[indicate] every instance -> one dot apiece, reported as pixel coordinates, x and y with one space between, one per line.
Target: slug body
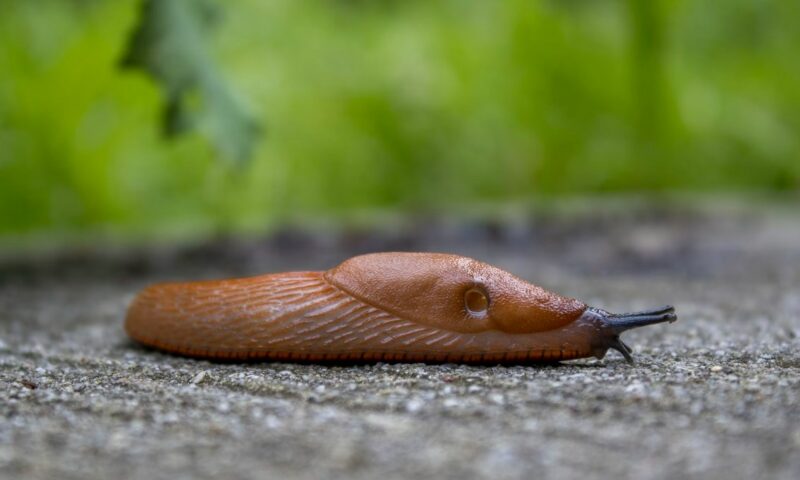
415 307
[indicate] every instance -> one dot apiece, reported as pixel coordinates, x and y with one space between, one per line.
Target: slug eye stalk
621 322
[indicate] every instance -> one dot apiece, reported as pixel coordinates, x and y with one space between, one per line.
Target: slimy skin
401 307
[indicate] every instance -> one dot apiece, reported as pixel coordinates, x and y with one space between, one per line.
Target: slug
398 307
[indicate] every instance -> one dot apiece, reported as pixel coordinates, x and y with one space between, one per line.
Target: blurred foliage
170 43
414 105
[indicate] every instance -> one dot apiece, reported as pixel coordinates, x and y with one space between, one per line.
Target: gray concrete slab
715 395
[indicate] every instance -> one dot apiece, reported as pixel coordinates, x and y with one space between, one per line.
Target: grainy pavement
714 395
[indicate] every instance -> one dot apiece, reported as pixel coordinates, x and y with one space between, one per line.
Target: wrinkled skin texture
377 307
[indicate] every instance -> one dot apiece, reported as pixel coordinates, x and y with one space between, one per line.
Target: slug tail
225 318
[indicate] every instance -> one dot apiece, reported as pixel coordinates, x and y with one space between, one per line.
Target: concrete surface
715 395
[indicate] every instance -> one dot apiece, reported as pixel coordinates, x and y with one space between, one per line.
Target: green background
412 106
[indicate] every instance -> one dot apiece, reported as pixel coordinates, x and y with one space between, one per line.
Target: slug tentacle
621 322
416 307
617 344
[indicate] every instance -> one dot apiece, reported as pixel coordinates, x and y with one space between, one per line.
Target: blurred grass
418 106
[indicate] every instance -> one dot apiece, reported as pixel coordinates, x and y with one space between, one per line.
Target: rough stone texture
715 395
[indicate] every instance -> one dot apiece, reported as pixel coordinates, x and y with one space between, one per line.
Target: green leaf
169 44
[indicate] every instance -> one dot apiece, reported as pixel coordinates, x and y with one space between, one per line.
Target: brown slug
409 307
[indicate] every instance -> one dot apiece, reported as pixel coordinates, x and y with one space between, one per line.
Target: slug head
453 293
